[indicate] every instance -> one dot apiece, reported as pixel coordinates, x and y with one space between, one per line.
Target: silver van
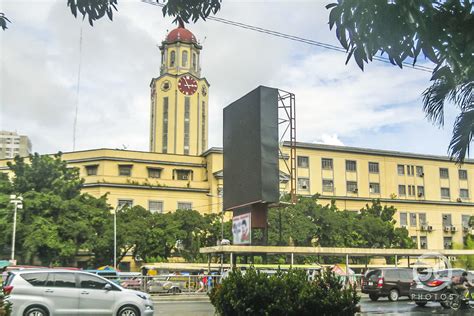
51 292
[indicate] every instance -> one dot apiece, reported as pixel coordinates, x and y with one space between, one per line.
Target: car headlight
142 296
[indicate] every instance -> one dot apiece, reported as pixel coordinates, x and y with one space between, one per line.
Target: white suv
51 292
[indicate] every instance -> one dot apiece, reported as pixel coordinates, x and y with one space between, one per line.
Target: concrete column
292 257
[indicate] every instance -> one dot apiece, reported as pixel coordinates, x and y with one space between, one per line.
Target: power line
297 38
78 83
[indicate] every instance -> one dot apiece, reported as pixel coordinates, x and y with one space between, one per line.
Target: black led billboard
251 149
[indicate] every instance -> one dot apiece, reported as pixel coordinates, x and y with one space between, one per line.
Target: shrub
5 306
285 293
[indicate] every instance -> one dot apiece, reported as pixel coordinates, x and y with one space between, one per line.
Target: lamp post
117 209
17 201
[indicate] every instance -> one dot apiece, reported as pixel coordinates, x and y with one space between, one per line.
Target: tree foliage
285 293
308 224
406 30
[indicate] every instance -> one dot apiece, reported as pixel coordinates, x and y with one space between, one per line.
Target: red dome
180 34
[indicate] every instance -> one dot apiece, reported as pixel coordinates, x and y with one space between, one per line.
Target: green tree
56 221
406 30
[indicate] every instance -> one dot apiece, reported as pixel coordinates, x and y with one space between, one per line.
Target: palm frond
462 135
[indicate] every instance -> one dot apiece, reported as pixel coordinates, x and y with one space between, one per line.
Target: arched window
194 61
185 58
172 58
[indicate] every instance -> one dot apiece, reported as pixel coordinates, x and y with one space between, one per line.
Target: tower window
125 170
185 58
194 61
91 170
186 125
165 125
172 58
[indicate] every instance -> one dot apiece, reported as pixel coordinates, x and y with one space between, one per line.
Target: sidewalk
180 297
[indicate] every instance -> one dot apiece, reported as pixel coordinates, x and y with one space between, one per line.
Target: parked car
131 280
435 286
110 275
64 292
167 284
387 282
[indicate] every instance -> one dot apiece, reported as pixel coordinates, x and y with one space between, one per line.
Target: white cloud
40 61
329 140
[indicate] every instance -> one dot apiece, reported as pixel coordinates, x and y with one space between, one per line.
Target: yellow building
432 194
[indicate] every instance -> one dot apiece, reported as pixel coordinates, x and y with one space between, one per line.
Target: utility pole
18 204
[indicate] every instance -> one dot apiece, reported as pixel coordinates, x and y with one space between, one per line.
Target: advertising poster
241 229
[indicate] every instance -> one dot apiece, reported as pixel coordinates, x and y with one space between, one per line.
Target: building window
443 173
445 193
326 163
411 190
154 172
402 190
373 167
220 191
303 184
125 170
155 206
462 174
124 203
465 221
203 127
423 242
184 58
182 174
303 162
351 165
421 191
186 124
422 218
165 125
415 240
401 170
92 170
374 188
194 61
419 171
172 58
403 219
464 193
410 170
448 242
351 187
328 185
413 219
185 206
447 222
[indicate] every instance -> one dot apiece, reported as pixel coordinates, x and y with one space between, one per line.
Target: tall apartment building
12 144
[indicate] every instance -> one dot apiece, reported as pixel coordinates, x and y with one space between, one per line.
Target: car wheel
36 311
373 297
393 295
420 303
128 311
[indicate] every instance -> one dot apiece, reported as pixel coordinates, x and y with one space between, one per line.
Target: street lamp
17 201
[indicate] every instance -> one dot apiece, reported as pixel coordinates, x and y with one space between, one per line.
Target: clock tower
179 97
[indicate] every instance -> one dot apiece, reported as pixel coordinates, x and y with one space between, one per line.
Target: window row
328 186
423 242
154 206
184 59
417 219
152 172
351 166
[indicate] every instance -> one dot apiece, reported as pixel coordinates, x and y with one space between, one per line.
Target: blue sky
336 103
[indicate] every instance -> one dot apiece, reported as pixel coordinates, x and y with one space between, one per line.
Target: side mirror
108 287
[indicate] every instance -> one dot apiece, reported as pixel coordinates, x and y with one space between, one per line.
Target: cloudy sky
336 103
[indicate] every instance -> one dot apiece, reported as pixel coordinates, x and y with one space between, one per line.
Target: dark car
435 286
387 282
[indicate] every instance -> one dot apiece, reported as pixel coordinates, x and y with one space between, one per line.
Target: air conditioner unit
424 227
447 245
404 226
465 229
447 228
184 177
423 244
430 228
459 200
420 195
355 191
452 258
304 187
453 228
445 216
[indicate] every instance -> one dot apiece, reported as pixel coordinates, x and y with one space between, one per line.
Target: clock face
187 85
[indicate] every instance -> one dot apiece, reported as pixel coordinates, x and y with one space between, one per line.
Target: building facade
12 144
432 195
